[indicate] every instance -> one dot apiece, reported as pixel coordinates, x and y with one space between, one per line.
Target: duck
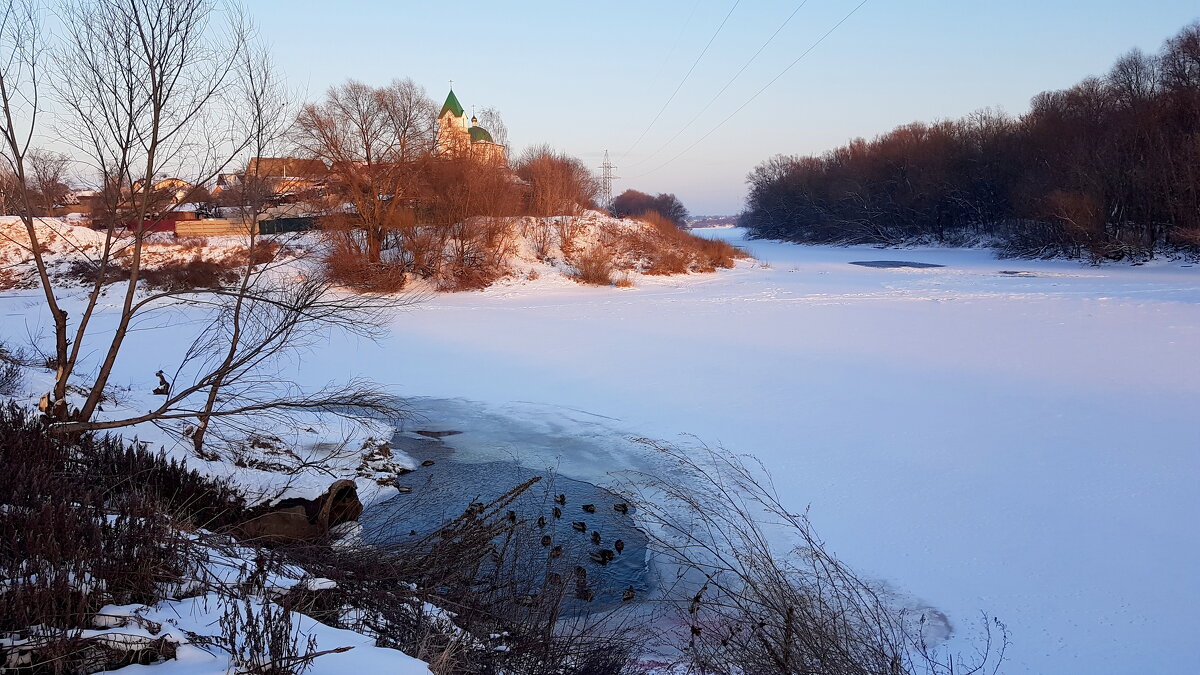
596 538
541 521
590 508
621 508
561 500
546 540
627 595
619 545
579 526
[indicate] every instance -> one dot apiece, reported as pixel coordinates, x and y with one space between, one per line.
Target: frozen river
1011 436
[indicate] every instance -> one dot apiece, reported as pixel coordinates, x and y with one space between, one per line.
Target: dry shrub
260 635
179 275
12 371
421 250
665 249
623 281
540 235
568 231
348 266
261 253
89 522
166 273
468 255
477 251
9 280
1187 239
467 277
594 266
751 607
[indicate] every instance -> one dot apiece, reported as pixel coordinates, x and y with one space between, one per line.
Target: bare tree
559 184
151 88
265 119
490 119
47 178
374 140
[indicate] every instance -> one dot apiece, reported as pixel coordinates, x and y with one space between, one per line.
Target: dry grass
594 266
352 270
89 522
9 279
665 249
178 275
657 248
263 252
168 274
475 253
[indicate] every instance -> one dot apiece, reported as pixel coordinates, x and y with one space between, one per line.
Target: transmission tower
606 179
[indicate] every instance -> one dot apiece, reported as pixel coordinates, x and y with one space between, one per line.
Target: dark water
442 491
894 264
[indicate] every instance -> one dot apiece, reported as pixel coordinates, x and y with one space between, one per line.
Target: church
456 139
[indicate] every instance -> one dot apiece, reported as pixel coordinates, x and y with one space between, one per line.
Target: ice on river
1011 436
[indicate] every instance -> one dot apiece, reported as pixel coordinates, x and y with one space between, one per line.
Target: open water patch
895 264
572 537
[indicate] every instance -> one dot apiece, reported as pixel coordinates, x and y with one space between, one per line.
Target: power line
727 85
685 77
759 92
675 45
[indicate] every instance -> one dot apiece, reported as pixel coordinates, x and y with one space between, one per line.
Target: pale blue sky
590 76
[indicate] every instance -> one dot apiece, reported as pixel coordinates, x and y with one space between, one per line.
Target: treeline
633 203
1107 169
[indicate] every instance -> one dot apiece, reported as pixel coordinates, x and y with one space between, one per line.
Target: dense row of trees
632 203
1107 169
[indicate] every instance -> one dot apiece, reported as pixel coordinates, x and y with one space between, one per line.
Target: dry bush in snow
593 266
747 606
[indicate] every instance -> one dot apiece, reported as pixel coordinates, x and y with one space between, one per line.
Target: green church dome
480 134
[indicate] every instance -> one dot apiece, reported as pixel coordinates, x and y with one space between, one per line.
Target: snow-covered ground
1023 444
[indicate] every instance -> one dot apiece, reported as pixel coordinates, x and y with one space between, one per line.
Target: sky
591 77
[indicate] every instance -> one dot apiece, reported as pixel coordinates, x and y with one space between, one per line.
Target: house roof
452 105
480 134
292 167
